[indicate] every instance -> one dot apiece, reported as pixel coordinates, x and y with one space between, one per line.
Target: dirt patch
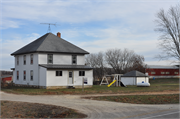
50 93
11 109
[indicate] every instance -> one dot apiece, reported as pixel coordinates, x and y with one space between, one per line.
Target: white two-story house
51 62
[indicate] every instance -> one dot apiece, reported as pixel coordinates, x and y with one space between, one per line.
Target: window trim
59 73
31 59
82 73
48 58
24 75
24 59
153 72
74 59
31 75
176 72
162 72
17 75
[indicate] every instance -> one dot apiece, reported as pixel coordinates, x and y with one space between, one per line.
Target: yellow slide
111 83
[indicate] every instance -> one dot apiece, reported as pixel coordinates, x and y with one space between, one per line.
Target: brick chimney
59 35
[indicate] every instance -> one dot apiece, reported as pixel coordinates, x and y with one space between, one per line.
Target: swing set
116 80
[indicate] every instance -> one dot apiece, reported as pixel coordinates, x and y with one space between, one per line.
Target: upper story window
31 75
24 58
24 75
17 75
81 73
58 73
50 59
31 58
74 59
17 60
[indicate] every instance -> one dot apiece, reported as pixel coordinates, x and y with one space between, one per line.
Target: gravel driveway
93 108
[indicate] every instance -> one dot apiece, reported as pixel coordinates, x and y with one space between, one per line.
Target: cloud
10 46
164 62
82 11
142 43
5 24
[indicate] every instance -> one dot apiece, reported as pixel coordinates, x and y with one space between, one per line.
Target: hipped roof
50 43
134 74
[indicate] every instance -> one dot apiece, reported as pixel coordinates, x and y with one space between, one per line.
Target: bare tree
97 62
137 64
123 61
168 23
113 58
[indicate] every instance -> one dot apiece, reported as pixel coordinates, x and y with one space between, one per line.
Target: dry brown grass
11 109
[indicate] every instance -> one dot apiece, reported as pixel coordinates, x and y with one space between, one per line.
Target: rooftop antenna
49 28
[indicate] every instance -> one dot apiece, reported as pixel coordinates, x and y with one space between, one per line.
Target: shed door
70 77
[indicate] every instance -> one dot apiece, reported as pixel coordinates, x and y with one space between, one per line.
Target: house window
175 72
17 60
24 75
50 58
31 59
17 75
58 73
31 73
81 73
74 59
153 72
162 72
24 59
167 72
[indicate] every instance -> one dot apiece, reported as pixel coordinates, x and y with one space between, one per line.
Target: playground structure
116 80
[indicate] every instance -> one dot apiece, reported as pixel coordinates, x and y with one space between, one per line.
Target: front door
70 77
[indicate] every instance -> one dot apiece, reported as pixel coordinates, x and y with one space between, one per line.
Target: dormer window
74 59
50 59
31 59
17 60
24 59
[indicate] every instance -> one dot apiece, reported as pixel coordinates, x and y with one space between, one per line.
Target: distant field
141 99
157 85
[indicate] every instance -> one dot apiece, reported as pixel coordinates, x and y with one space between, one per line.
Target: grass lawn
11 109
141 99
157 85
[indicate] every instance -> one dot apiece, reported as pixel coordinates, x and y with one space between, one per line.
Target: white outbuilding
134 77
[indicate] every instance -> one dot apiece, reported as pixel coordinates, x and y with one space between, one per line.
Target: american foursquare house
51 62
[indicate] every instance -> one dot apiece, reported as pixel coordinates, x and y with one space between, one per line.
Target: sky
93 25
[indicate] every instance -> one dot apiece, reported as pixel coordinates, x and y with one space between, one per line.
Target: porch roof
55 66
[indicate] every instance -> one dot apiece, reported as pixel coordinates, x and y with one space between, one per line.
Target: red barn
6 76
159 71
7 79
